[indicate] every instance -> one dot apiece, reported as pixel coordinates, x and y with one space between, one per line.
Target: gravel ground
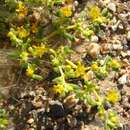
33 107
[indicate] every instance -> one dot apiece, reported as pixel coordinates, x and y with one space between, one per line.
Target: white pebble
112 7
128 36
30 121
117 47
123 79
94 38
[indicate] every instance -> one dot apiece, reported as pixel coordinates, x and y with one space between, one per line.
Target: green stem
57 32
97 96
62 75
71 64
71 27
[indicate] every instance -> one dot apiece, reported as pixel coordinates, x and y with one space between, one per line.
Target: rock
128 36
31 129
89 75
32 94
127 90
120 27
112 7
56 109
106 48
128 53
117 47
123 92
107 105
94 38
123 79
70 101
123 54
72 122
93 50
115 26
76 3
30 121
104 2
38 104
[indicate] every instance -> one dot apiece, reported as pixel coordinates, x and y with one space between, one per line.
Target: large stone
93 50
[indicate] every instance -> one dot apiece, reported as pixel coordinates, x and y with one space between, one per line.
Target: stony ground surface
33 108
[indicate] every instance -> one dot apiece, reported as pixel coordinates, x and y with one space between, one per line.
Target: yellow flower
66 11
80 70
38 51
24 56
94 67
30 70
113 96
10 34
58 88
22 32
94 12
115 64
21 10
100 19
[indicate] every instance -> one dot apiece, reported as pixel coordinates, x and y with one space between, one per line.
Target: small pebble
70 101
123 79
123 54
107 105
32 93
112 7
30 121
105 48
94 38
31 129
128 36
37 104
128 53
115 26
120 26
123 92
94 50
76 3
117 47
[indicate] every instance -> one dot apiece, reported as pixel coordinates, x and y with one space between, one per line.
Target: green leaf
69 36
37 77
70 87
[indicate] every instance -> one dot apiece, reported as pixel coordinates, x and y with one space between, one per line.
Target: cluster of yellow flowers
22 32
80 70
22 10
66 11
59 89
115 64
96 15
37 51
113 96
94 67
30 70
